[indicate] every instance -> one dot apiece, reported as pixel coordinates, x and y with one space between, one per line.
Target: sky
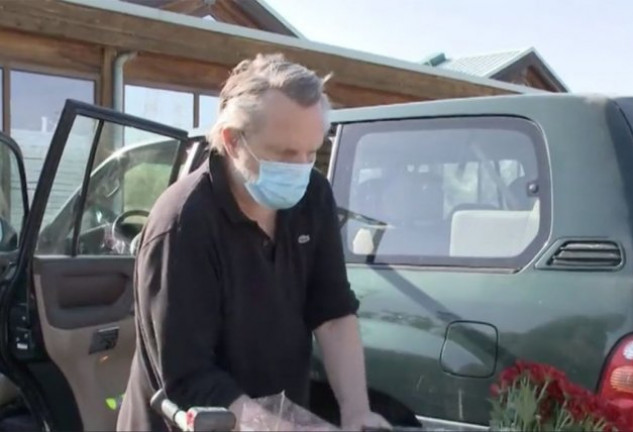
587 43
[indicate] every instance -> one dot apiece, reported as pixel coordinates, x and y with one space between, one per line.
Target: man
241 262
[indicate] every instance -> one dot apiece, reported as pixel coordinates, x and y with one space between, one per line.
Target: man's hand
344 362
364 421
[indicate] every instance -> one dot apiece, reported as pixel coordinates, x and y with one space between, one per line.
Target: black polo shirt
222 309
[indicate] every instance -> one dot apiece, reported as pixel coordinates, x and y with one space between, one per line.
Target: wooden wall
189 53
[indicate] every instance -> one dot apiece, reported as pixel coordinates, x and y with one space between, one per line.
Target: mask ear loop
250 151
248 147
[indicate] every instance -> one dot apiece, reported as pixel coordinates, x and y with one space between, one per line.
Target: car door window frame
72 109
14 147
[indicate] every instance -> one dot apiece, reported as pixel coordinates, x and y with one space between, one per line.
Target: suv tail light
616 383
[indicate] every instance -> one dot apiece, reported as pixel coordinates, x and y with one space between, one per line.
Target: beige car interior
475 233
80 301
493 233
85 305
411 206
83 302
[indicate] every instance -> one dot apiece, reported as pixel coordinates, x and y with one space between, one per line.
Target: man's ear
230 140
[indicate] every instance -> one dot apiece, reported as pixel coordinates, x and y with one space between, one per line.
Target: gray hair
241 97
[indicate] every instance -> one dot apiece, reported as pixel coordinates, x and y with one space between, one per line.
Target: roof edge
118 6
522 53
545 68
551 70
280 18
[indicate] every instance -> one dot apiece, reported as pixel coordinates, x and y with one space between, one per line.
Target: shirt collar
219 178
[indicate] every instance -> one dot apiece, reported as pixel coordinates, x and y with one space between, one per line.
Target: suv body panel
569 318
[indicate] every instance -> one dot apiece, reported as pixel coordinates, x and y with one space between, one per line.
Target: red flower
546 410
553 393
508 376
578 409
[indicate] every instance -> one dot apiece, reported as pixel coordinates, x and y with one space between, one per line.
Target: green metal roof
487 65
484 65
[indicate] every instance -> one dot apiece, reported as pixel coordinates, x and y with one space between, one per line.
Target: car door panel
91 338
71 300
85 291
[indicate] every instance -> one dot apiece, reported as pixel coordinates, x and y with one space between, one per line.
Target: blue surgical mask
279 185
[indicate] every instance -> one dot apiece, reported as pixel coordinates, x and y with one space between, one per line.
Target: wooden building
167 59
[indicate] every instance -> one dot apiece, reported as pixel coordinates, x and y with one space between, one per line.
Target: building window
208 112
37 101
173 108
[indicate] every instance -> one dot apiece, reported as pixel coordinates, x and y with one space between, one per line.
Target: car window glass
121 190
450 188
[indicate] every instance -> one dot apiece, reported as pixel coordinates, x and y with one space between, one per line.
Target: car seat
413 204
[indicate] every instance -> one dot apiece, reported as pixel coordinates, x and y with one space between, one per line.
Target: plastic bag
278 413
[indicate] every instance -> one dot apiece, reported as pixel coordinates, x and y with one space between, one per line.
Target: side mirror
13 194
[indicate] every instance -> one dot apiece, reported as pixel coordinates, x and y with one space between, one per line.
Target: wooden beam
148 69
127 32
346 96
534 79
72 56
152 70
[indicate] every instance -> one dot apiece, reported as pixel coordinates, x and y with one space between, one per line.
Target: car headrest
412 197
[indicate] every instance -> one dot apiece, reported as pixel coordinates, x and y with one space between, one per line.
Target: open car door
67 332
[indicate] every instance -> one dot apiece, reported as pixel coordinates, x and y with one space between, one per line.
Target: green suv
476 231
481 231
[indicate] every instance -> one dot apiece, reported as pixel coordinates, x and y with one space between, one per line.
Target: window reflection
173 108
208 111
37 101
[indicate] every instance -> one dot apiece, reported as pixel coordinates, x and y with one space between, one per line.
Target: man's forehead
287 123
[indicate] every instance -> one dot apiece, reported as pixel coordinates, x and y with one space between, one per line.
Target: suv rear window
469 191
